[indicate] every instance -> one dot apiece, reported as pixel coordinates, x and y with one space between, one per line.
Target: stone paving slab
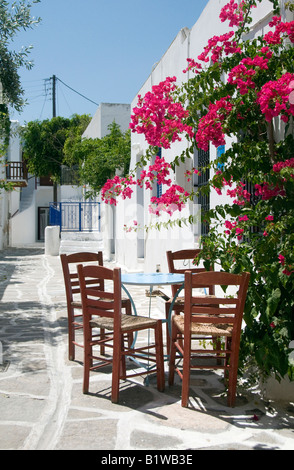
42 406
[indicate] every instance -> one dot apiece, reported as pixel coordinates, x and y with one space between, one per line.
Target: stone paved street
42 406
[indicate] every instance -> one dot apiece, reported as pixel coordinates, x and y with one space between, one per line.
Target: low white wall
272 389
70 193
52 240
22 227
4 224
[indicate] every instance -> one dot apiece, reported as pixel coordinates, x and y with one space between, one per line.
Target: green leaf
273 302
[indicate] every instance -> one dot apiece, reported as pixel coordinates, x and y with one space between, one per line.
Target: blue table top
152 279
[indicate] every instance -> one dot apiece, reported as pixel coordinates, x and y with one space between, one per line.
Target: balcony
17 174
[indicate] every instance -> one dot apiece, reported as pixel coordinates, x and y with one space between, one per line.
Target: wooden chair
179 262
102 309
72 290
217 317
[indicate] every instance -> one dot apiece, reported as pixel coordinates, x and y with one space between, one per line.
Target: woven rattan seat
124 302
127 322
204 329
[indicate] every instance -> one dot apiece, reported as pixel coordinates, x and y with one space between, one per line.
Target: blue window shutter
220 151
159 186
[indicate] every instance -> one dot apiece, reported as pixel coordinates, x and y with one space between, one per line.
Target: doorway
43 222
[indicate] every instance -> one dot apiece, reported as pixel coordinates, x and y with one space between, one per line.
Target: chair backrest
70 274
185 258
101 302
224 309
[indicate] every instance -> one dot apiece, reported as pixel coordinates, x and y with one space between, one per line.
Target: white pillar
52 241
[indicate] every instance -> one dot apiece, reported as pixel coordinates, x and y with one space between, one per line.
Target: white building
28 206
104 116
138 250
14 171
24 212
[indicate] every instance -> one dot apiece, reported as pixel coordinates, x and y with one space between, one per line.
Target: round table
151 280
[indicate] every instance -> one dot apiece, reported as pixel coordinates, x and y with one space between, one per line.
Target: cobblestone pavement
42 406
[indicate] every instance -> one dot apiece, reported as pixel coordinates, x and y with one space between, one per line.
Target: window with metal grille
202 161
253 201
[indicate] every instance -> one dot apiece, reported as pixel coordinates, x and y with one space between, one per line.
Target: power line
83 96
65 99
34 92
46 95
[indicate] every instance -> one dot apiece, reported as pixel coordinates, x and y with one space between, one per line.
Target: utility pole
54 115
54 95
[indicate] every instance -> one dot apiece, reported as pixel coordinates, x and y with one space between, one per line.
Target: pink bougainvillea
291 96
233 229
210 127
158 117
189 173
117 187
173 199
286 164
241 194
242 75
273 98
282 261
233 13
281 28
217 45
162 120
267 191
192 65
158 172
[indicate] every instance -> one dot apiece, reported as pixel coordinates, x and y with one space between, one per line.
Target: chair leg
71 335
186 372
123 370
172 355
159 357
231 399
228 346
116 368
130 335
167 307
168 333
233 375
102 336
87 358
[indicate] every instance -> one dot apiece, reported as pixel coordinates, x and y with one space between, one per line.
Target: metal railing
16 172
76 216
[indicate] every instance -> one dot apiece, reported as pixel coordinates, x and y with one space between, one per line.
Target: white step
81 236
74 246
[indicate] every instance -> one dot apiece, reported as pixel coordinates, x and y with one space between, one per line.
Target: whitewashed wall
3 213
10 201
129 250
107 113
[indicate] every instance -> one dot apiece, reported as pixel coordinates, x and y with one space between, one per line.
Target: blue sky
102 49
